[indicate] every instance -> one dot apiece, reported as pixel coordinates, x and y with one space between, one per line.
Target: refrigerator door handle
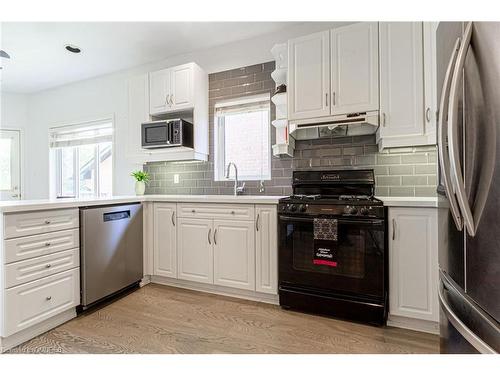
444 159
456 174
470 336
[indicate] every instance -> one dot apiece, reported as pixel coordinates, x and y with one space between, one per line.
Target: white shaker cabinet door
234 254
159 91
413 263
182 87
165 240
195 250
401 79
309 76
266 249
354 77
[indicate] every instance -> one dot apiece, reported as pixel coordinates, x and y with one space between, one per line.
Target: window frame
56 161
219 137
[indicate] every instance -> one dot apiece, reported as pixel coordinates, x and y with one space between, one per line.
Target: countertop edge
42 204
431 202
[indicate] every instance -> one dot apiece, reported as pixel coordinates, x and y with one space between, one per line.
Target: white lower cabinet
34 302
228 245
234 254
413 263
164 240
266 249
195 250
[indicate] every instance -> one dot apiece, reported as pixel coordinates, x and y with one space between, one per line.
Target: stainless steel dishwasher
110 250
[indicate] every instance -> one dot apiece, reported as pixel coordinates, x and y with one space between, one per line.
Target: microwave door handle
454 148
169 132
444 159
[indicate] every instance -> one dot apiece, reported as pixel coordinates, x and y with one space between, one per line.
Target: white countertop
409 201
47 204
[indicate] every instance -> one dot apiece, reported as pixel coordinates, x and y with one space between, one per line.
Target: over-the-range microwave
167 133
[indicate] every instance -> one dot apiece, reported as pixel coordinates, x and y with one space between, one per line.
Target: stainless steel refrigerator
468 78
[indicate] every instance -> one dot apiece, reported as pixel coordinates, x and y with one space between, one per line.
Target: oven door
359 250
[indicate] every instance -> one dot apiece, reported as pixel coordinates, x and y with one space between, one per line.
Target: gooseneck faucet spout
237 189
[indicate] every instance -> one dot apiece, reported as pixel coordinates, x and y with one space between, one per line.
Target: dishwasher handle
117 215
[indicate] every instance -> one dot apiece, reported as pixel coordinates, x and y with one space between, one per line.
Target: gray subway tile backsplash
408 171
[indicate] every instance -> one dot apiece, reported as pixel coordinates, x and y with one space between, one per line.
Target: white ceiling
39 60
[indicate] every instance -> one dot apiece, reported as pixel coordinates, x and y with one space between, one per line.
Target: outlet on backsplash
176 178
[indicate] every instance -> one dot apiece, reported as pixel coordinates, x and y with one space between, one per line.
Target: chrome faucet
237 189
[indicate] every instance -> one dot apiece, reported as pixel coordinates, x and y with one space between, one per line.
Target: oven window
156 134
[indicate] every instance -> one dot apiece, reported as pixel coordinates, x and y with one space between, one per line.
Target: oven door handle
340 221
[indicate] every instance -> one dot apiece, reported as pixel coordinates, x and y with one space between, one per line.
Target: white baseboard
216 289
145 281
7 343
420 325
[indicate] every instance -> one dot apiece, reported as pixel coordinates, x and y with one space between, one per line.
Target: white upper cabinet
309 76
181 87
401 79
172 89
430 80
354 68
408 102
160 91
165 240
234 254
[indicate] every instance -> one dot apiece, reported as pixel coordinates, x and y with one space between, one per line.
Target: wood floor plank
161 319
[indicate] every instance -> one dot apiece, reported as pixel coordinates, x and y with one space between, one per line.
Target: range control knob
293 208
364 211
302 208
353 211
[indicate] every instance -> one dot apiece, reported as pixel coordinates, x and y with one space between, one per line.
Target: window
83 159
242 136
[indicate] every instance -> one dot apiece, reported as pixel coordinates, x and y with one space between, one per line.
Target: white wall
107 95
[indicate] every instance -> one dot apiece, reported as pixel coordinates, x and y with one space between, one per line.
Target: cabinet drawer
36 268
43 244
216 211
37 222
34 302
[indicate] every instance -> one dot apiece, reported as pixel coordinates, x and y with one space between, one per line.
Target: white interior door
10 166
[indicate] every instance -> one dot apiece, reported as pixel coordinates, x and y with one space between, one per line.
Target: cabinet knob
193 211
48 298
47 243
48 265
47 221
232 212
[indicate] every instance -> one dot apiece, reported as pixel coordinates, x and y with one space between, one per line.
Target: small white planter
140 187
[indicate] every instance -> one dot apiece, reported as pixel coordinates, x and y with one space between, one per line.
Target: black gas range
332 246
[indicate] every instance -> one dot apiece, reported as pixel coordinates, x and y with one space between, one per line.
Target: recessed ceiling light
72 48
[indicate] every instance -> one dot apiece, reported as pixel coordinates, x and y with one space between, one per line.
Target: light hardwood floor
160 319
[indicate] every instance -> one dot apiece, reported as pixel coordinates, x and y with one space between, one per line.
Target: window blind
249 104
81 134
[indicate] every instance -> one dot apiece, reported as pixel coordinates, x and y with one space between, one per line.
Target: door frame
21 158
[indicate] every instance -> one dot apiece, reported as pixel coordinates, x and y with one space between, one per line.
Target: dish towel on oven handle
325 242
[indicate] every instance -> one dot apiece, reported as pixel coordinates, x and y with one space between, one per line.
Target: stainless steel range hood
352 124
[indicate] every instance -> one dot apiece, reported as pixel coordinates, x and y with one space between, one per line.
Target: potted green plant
141 179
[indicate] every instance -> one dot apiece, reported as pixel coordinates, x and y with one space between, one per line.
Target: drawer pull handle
48 298
47 222
48 265
47 243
